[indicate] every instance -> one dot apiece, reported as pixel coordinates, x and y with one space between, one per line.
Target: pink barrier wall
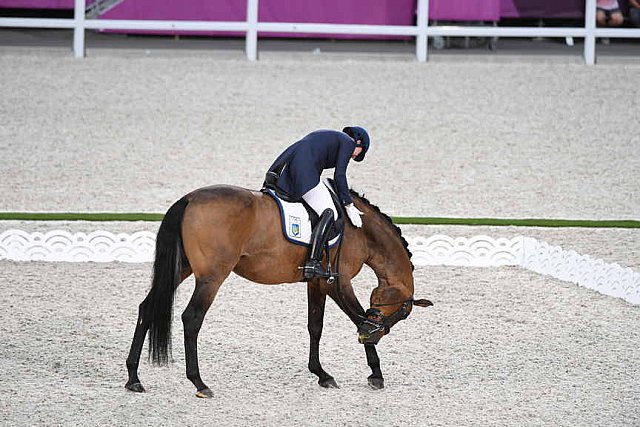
380 12
464 10
542 8
188 10
37 4
366 12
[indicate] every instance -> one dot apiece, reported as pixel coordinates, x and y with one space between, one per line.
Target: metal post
252 31
422 42
78 28
590 27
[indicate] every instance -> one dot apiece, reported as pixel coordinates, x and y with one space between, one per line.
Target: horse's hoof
376 383
328 383
205 393
136 387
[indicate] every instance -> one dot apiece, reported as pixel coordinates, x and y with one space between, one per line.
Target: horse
215 230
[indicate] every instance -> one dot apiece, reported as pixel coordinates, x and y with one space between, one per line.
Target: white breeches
320 199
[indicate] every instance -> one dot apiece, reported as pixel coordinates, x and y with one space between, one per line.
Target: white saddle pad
296 225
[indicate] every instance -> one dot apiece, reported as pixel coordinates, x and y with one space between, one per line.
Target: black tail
167 268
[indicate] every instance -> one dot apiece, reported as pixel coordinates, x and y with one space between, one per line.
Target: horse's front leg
375 379
349 303
316 301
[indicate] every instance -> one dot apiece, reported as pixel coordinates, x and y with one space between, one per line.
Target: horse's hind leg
142 326
316 302
205 292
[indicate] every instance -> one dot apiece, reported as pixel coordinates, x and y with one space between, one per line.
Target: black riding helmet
358 133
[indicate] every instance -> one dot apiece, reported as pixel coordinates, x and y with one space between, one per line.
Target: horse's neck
387 255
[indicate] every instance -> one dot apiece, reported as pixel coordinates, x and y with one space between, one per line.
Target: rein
384 322
358 316
394 303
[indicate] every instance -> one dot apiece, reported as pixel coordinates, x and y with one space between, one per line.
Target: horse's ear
422 302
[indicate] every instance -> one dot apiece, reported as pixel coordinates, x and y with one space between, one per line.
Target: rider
297 173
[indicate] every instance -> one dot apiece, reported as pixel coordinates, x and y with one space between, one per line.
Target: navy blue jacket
307 158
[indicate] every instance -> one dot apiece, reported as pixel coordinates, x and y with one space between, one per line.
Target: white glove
354 215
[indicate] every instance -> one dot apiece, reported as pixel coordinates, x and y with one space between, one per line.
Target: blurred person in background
608 13
634 12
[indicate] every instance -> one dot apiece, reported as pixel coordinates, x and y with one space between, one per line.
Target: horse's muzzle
370 339
370 332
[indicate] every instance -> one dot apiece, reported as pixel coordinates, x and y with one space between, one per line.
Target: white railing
252 27
477 251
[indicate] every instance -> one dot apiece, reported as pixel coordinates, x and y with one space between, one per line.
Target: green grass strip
500 222
529 222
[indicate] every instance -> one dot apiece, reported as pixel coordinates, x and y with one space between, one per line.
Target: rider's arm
340 175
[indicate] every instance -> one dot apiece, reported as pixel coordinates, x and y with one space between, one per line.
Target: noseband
377 321
381 322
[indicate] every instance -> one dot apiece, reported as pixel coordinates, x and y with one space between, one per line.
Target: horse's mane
388 218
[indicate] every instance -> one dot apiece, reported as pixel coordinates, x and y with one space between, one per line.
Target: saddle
297 217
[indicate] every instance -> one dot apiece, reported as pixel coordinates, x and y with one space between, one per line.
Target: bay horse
215 230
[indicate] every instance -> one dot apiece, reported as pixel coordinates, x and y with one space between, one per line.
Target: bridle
385 322
373 320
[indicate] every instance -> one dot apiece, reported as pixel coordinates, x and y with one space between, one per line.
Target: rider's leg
320 200
313 265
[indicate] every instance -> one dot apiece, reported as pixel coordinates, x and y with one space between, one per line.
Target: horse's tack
298 218
385 322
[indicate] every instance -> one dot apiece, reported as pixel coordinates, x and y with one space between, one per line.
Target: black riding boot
313 266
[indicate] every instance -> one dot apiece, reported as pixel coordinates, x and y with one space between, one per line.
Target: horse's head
389 256
391 306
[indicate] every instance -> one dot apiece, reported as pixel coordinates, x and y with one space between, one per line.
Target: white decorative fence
58 245
583 270
251 27
478 251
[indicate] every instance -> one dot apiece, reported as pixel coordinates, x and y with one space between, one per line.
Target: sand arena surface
128 132
122 133
500 347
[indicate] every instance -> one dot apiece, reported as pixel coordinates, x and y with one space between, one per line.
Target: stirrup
313 268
